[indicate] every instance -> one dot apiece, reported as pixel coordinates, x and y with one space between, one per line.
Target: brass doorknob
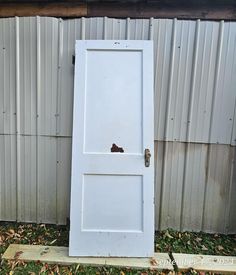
147 156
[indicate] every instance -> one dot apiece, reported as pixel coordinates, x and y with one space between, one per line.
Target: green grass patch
165 241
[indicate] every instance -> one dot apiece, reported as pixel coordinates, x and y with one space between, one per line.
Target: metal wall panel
232 195
194 68
27 34
194 63
194 184
63 179
195 112
216 210
71 30
48 45
225 83
8 187
198 83
27 179
195 187
7 76
233 137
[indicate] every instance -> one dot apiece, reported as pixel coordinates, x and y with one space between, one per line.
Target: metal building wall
195 118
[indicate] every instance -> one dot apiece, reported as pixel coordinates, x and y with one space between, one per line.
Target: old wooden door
112 197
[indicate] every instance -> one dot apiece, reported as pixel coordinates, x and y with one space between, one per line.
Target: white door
112 192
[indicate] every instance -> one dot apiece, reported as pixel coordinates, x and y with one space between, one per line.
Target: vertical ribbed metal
195 117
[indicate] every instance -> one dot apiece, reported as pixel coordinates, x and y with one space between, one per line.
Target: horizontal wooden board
59 255
160 261
147 10
122 9
43 9
219 264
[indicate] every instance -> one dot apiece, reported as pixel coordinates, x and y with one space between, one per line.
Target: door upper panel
113 96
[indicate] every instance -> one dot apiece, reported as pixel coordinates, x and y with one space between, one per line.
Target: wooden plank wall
73 8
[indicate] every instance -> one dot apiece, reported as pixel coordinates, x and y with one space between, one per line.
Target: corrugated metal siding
195 68
192 68
195 187
8 177
7 77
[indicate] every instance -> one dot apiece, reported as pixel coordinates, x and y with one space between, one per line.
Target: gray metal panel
88 28
47 180
44 184
195 187
28 75
162 32
53 179
27 180
191 59
194 68
92 28
224 101
71 30
172 184
8 177
233 137
232 195
195 96
202 81
158 159
116 29
48 46
63 178
7 76
217 192
195 65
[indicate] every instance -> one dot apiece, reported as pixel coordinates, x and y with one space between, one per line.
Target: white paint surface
112 207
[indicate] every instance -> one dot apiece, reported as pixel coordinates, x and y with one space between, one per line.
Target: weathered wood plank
59 9
221 264
147 10
59 255
160 261
74 8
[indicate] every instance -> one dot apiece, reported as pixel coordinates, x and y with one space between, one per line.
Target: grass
196 243
165 241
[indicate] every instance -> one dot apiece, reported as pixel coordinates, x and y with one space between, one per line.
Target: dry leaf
11 231
43 269
53 241
2 239
56 269
220 247
122 273
153 261
167 234
17 254
198 239
204 248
